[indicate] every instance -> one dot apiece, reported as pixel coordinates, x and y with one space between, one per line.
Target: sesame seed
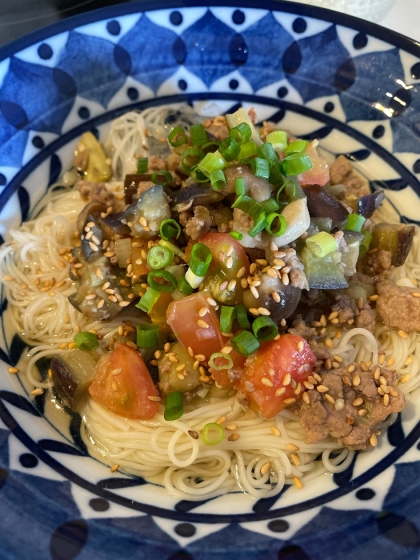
300 345
234 437
351 368
289 401
202 370
229 262
356 380
357 402
180 376
393 392
202 324
115 468
329 343
203 311
338 359
253 311
211 302
221 420
14 370
382 380
308 385
143 221
362 412
37 392
280 391
374 297
193 434
93 246
402 334
62 346
373 440
264 311
283 322
241 272
275 431
386 400
113 299
329 398
252 268
153 398
273 247
409 361
318 377
180 367
223 285
231 427
390 362
221 256
339 404
297 482
231 285
124 303
265 468
363 366
267 382
416 294
254 292
116 371
405 378
322 388
200 357
173 359
272 273
196 365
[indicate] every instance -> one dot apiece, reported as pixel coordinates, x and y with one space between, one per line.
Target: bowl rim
139 6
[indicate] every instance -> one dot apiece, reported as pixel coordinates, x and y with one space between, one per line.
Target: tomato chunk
227 268
265 375
201 332
127 392
229 377
320 173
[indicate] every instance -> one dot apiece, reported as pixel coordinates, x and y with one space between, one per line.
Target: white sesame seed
229 262
267 382
254 292
287 379
202 324
264 311
231 285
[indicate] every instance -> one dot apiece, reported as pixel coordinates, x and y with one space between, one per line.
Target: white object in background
373 10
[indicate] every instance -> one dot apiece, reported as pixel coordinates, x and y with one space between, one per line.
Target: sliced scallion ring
198 134
142 165
241 133
190 158
242 317
217 179
168 229
227 316
276 224
322 244
159 257
245 343
213 433
165 275
355 222
264 329
149 299
278 139
147 335
174 406
86 341
227 362
236 235
229 149
177 137
200 259
183 286
161 178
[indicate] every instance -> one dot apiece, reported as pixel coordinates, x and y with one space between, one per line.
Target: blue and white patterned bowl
354 86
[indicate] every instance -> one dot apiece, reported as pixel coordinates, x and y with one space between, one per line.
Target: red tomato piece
226 268
229 377
200 332
320 173
289 354
127 393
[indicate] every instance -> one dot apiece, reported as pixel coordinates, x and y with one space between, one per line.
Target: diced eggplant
257 188
289 298
322 224
153 206
366 205
323 205
131 183
200 194
323 273
112 225
337 191
90 308
91 253
396 238
169 378
72 373
96 165
349 259
92 208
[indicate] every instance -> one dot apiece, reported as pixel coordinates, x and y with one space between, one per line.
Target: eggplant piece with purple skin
72 374
131 183
366 205
112 225
396 238
93 209
289 298
323 205
201 195
91 251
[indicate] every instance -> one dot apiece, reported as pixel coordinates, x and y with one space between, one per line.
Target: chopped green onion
210 147
193 280
149 299
281 224
270 205
355 222
248 150
174 406
282 188
175 250
266 151
365 244
227 316
217 179
229 149
278 139
198 134
198 176
264 329
258 226
322 244
298 146
245 343
168 229
260 168
177 137
147 335
183 286
249 206
200 259
213 433
161 177
211 162
220 356
190 158
242 316
241 133
275 176
236 235
142 164
86 341
239 186
295 164
290 189
159 257
168 276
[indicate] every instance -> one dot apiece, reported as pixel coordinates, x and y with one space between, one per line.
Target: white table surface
404 17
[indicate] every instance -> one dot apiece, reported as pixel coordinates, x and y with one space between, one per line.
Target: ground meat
199 224
349 312
342 173
172 161
378 262
156 163
95 192
252 115
341 420
398 307
217 128
300 328
341 242
320 350
144 186
364 278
